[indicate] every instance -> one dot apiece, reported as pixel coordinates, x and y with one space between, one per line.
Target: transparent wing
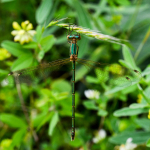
34 74
113 74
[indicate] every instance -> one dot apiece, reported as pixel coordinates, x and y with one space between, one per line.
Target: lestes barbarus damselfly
122 76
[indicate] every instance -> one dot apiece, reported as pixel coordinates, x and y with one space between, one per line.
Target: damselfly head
72 37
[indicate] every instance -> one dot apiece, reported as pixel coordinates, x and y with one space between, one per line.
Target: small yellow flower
117 19
116 68
149 114
23 33
139 98
4 54
5 144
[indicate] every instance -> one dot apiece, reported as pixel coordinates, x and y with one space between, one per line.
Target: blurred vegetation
46 121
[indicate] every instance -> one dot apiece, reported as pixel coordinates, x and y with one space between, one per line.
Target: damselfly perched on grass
121 76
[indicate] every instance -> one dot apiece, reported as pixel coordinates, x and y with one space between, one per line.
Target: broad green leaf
143 123
136 105
38 34
12 120
31 45
82 13
91 79
14 48
118 88
41 54
124 2
22 62
18 136
90 105
4 1
44 120
61 86
61 96
148 143
146 71
47 42
130 111
102 112
43 11
138 137
39 119
53 123
128 57
53 12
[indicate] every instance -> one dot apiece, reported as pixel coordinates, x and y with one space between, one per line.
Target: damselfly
122 76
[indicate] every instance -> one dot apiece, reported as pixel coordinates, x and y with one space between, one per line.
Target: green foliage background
46 122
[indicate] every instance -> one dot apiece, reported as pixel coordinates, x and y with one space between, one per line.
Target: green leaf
118 88
38 34
82 13
148 143
22 62
91 79
43 11
41 54
4 1
143 123
136 105
130 111
12 120
138 137
53 123
47 42
128 57
102 113
14 48
39 119
59 85
124 2
31 45
146 71
18 136
43 120
90 105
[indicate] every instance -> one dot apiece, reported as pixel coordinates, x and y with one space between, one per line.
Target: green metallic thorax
73 47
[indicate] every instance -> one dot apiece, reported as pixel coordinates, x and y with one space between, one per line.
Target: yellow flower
23 33
149 114
116 68
5 144
117 19
139 98
4 54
